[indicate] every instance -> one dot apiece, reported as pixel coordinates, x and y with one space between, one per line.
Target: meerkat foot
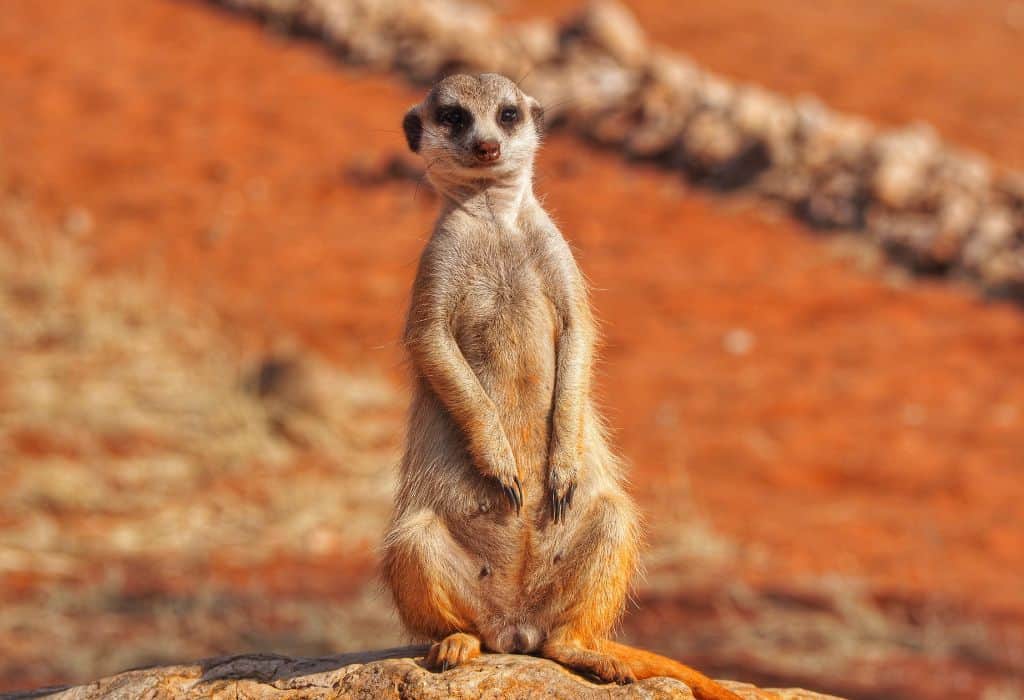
452 651
611 670
604 666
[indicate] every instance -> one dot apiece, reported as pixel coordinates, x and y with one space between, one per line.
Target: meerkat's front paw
561 488
514 493
513 489
499 462
508 478
453 650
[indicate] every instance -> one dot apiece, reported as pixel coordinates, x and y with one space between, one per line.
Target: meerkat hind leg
431 578
593 580
452 651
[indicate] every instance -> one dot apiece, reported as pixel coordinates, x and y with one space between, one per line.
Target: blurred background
813 358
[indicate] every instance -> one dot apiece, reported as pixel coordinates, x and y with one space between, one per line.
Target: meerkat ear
537 112
412 125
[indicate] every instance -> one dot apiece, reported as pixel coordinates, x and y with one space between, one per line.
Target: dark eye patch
455 118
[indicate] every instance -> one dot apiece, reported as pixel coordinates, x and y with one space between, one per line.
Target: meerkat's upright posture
511 528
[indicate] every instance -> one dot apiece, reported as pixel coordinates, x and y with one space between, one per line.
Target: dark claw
510 494
560 505
514 494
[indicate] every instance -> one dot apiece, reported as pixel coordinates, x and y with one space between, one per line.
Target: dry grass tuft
159 485
114 401
835 624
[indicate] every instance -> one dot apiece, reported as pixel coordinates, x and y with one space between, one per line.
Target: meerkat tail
646 664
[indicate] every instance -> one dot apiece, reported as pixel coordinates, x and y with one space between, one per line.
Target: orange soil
871 431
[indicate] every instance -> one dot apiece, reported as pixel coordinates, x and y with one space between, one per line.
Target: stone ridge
389 674
931 207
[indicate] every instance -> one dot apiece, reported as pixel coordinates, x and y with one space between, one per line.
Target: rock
612 28
769 119
833 200
904 161
993 255
537 40
714 150
670 93
390 674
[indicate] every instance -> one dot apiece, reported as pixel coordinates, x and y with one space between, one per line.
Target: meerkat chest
503 285
506 315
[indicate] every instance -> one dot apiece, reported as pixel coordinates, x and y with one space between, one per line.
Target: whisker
420 180
561 103
525 76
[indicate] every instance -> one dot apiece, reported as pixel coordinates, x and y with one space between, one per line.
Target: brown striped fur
501 337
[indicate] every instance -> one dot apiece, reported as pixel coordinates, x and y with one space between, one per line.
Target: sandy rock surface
383 675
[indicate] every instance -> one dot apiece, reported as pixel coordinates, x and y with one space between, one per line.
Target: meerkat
512 531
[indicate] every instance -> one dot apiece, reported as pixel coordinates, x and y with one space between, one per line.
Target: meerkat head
475 128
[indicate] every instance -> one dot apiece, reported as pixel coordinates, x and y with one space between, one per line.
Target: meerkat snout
474 128
487 151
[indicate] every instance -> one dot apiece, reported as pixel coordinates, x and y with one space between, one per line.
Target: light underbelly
509 339
513 356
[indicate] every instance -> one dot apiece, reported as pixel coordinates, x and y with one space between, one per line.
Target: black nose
487 151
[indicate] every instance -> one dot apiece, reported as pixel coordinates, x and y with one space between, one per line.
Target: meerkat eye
509 115
455 117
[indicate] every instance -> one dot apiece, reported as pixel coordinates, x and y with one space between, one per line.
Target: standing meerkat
511 531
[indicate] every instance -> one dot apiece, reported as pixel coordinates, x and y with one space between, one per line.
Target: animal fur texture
512 531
